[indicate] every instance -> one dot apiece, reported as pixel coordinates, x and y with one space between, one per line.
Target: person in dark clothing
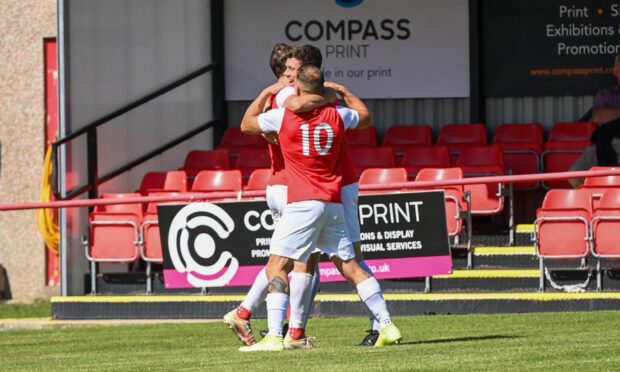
605 148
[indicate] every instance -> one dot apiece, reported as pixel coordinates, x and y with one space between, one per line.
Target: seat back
366 137
566 143
563 224
259 179
234 141
197 160
606 224
602 181
483 161
459 136
172 181
572 131
415 159
233 138
599 185
383 176
519 133
473 134
151 239
483 157
453 195
371 157
403 137
252 158
135 208
522 146
218 181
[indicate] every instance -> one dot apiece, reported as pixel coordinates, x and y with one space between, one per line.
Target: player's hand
330 94
271 137
337 87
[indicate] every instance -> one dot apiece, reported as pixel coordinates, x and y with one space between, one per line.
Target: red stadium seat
382 176
371 157
114 235
222 180
459 136
259 179
522 147
566 143
366 137
562 227
157 182
415 159
251 159
456 203
198 160
486 199
403 137
218 181
234 141
598 185
151 251
605 227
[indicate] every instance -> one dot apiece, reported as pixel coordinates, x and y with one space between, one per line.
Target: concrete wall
23 26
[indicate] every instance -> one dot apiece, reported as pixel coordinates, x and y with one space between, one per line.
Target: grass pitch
547 341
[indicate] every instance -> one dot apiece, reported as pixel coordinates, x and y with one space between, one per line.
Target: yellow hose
46 218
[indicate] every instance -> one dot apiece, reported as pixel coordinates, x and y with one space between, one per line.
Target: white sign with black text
377 48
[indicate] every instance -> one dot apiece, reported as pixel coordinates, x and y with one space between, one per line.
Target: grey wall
118 51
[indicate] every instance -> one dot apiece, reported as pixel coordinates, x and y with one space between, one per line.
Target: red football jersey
311 147
278 176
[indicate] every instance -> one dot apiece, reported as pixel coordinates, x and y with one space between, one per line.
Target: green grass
38 309
543 341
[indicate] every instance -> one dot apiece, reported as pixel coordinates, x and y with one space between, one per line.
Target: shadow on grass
459 339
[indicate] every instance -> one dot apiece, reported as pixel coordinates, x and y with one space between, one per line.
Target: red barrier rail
259 193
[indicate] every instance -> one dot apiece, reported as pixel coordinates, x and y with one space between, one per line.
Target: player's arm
353 103
309 102
605 114
249 123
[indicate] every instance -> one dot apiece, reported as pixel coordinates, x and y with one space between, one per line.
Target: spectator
605 147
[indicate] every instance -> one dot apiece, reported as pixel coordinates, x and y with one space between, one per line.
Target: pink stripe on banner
395 268
245 276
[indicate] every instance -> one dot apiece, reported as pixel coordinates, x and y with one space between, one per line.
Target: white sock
370 292
374 324
316 285
257 293
276 312
300 299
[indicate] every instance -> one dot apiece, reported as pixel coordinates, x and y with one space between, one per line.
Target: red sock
243 313
297 333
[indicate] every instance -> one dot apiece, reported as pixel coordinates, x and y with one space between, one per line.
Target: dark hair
308 55
279 55
310 79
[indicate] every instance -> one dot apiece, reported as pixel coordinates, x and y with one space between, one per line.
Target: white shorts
348 194
351 212
276 196
308 224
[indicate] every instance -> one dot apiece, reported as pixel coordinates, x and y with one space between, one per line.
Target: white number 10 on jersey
316 138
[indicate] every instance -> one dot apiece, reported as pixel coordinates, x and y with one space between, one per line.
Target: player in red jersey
238 319
314 216
305 274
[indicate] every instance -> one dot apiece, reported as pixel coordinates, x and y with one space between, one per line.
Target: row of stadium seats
411 146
